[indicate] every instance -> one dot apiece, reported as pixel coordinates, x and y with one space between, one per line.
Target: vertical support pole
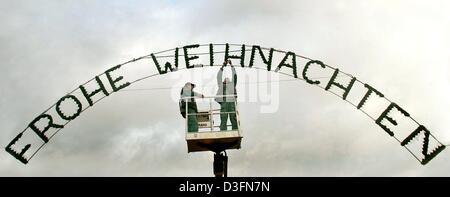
225 165
187 116
237 115
220 165
211 114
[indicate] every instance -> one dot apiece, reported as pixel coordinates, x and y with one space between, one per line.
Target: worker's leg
192 121
232 108
223 116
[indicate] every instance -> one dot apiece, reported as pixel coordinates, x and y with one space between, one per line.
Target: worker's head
189 85
226 62
227 80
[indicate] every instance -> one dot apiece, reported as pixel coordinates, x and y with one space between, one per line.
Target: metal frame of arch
388 115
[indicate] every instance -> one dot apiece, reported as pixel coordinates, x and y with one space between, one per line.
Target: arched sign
392 118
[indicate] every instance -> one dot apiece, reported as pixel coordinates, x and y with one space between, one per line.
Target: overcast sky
401 47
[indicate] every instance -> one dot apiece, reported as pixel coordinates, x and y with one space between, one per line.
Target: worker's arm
198 95
233 70
219 76
185 93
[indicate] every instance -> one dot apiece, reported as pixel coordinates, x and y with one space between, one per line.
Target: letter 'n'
426 156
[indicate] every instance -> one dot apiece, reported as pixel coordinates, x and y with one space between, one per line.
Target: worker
227 97
188 95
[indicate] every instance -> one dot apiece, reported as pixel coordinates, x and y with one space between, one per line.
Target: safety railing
208 117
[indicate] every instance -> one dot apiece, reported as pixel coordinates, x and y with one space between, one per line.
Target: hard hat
189 83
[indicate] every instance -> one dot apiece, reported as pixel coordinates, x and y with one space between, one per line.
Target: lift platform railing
206 117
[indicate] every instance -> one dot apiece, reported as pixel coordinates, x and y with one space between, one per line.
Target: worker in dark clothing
227 99
188 94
